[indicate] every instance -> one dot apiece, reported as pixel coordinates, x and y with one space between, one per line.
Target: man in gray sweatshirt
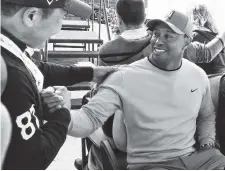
169 114
134 44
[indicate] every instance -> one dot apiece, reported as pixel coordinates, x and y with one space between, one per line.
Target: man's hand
62 91
100 73
56 97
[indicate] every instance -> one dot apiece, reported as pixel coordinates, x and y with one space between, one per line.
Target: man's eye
156 34
167 36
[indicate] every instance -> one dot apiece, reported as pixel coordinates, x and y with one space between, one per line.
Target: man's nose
159 41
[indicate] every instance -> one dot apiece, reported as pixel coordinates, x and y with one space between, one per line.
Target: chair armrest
98 136
109 160
112 157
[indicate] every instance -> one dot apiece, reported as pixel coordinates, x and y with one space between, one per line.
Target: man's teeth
160 50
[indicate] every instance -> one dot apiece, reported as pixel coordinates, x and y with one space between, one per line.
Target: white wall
159 8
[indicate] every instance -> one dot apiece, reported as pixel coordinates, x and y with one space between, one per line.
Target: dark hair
132 12
9 9
47 12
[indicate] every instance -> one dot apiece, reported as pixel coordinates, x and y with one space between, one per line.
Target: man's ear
121 24
187 41
31 15
120 21
145 17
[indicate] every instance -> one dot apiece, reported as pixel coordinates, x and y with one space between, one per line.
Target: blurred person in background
133 36
204 31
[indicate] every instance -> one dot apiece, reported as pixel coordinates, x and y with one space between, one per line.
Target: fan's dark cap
75 7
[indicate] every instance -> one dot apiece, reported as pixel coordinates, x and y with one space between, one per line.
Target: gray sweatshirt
161 110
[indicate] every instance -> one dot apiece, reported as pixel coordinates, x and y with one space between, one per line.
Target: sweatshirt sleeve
104 104
33 145
61 75
206 117
203 53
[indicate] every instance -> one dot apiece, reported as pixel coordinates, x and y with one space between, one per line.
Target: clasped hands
56 97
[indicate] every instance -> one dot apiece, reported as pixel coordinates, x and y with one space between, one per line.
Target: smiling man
169 43
166 103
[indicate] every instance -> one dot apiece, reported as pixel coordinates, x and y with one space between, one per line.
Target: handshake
56 97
